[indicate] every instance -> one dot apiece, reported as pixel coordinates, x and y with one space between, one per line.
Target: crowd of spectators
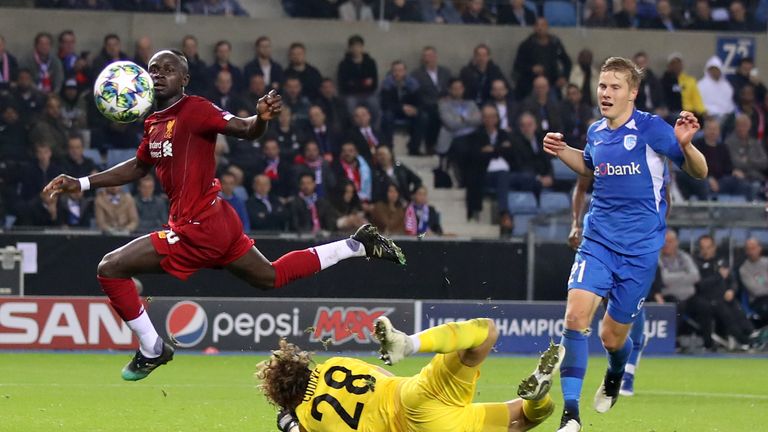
195 7
696 15
483 122
721 302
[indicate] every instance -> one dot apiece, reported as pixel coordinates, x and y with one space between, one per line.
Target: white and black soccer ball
124 92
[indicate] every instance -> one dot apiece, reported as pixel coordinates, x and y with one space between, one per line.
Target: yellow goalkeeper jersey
346 394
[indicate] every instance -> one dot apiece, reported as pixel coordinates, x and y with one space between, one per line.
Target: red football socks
123 296
295 265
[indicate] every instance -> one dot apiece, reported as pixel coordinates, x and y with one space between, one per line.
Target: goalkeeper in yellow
346 394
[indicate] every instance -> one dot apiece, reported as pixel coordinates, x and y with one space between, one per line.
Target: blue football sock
637 334
573 368
617 360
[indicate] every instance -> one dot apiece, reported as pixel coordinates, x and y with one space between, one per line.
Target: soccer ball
124 92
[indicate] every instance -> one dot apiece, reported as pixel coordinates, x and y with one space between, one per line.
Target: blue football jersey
628 208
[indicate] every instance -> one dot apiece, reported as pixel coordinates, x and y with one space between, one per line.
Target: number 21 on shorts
578 267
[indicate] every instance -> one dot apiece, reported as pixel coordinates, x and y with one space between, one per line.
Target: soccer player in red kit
204 230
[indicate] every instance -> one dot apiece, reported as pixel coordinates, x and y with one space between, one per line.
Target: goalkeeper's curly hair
284 377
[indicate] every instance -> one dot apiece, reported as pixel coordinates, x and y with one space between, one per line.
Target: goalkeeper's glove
286 421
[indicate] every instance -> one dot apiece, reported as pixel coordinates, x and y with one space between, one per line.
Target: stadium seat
93 154
522 203
521 224
532 6
560 13
557 232
115 156
562 172
761 235
739 235
731 198
554 202
687 235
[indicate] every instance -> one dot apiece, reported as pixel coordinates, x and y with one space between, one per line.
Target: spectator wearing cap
73 108
45 66
716 91
681 90
358 77
9 67
263 64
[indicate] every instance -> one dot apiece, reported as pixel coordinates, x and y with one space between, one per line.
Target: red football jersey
179 141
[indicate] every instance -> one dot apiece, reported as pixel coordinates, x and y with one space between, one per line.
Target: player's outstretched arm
251 128
578 207
554 145
120 174
695 163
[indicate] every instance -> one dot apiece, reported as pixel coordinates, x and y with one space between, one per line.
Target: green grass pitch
83 393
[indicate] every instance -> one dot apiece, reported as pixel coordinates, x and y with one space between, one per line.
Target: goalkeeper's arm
286 422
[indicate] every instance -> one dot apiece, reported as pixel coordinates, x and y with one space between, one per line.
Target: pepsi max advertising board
258 324
528 327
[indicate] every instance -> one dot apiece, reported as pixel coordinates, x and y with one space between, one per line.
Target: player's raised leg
579 312
472 340
255 269
637 334
115 272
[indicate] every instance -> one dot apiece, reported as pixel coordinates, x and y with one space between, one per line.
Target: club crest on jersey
630 141
161 149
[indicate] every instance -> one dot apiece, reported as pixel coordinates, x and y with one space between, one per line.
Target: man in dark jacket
335 109
388 171
264 210
264 65
308 75
111 51
75 163
222 52
198 70
400 106
358 77
478 75
542 105
327 139
541 53
650 97
433 84
279 171
515 12
311 161
366 139
717 286
308 212
534 168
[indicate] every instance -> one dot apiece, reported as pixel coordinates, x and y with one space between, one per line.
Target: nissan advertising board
528 327
258 324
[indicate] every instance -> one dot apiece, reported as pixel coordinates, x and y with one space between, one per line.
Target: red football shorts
214 241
